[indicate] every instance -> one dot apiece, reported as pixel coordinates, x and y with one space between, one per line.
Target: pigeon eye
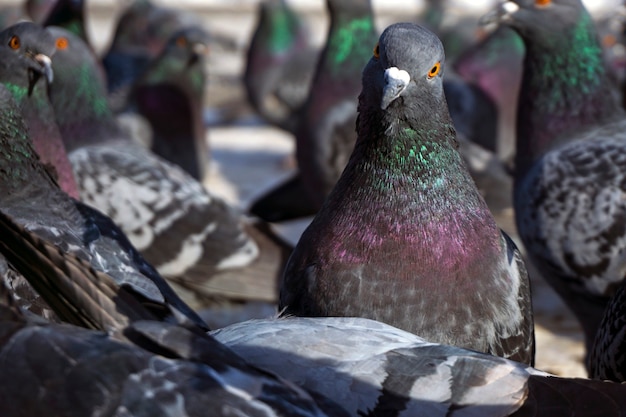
62 43
542 2
181 41
376 52
14 42
434 70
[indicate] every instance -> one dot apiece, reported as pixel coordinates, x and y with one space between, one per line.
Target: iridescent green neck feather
284 27
565 89
406 189
19 164
44 133
351 40
80 105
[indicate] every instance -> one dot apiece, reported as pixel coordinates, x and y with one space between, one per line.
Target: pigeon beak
396 81
46 65
200 49
501 13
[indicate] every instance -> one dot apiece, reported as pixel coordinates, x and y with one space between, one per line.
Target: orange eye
62 43
542 3
181 41
376 52
434 70
14 42
609 40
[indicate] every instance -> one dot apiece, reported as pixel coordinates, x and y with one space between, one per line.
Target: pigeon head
404 77
536 19
33 42
187 48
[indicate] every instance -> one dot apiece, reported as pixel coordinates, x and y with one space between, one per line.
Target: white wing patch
142 194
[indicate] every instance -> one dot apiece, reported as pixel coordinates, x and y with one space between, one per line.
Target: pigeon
141 33
129 363
280 63
170 96
374 369
325 135
33 198
194 239
406 205
33 102
569 193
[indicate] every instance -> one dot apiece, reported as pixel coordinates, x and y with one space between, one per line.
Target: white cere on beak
46 63
509 7
396 81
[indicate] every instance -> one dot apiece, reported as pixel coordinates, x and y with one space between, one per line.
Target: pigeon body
374 369
569 167
190 236
170 96
138 367
280 63
405 237
325 135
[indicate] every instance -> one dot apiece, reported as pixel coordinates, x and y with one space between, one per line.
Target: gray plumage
373 369
405 237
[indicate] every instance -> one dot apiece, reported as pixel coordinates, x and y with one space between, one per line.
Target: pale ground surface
249 158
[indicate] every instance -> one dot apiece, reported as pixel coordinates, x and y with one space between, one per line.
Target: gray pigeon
405 237
570 162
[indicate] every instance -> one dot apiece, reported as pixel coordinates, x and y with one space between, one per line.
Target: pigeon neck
351 39
177 125
349 46
20 170
407 191
283 29
565 89
44 134
82 113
